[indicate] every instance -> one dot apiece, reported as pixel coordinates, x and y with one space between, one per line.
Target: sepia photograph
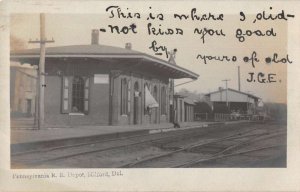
80 101
149 95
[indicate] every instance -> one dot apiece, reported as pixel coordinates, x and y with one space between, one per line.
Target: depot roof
102 51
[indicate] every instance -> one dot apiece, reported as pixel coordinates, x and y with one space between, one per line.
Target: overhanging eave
178 72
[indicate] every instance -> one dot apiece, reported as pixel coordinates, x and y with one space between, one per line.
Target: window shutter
65 95
122 97
86 95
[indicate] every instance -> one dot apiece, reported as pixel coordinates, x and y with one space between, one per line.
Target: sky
72 29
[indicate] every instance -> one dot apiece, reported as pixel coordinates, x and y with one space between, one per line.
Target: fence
201 116
235 117
222 117
226 117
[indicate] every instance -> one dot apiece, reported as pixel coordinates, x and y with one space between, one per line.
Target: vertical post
171 97
142 100
110 113
226 95
172 55
42 71
37 100
226 80
239 78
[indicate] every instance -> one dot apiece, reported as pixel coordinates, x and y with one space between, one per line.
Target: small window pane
66 82
86 93
87 83
66 104
86 105
66 94
77 94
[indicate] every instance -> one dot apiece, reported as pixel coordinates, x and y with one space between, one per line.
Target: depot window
75 94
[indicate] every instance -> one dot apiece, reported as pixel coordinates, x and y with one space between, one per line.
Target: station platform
23 139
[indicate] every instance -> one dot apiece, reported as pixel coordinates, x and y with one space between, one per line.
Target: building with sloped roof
103 85
183 109
22 91
231 100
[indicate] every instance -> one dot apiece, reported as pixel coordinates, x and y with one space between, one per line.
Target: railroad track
219 154
69 151
176 133
231 150
193 163
48 156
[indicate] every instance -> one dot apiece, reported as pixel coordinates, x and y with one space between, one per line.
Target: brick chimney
95 37
128 46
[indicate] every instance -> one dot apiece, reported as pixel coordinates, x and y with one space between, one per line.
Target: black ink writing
243 16
253 58
260 77
211 32
116 11
152 16
223 58
156 25
194 17
279 16
240 34
159 49
123 30
275 59
152 30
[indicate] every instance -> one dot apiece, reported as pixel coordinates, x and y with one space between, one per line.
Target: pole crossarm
41 41
226 80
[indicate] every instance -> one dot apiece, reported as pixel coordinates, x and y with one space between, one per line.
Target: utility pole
172 55
239 78
41 71
226 80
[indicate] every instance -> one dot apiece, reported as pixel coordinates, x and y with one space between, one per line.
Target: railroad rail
194 138
201 144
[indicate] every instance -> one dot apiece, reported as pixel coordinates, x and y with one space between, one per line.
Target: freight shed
230 100
104 85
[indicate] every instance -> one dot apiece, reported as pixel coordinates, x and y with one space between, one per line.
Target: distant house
238 101
103 85
22 91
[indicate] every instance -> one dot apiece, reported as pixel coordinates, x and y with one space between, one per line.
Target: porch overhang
136 60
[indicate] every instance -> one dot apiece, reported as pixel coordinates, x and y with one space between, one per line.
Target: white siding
232 97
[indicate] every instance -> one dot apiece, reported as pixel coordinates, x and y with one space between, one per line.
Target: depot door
28 109
155 109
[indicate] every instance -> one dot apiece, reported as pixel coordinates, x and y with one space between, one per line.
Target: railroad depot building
238 101
104 85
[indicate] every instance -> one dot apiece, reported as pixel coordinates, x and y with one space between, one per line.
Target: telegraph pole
239 78
226 80
41 71
172 55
